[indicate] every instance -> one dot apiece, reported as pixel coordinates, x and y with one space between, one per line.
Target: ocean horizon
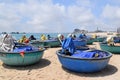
36 35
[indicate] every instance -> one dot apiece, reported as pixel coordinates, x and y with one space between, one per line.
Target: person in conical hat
69 35
110 40
24 39
94 36
43 37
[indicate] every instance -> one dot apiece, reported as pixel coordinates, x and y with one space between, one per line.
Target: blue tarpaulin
78 43
116 39
24 48
89 54
68 45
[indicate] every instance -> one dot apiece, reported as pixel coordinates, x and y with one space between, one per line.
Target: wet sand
49 68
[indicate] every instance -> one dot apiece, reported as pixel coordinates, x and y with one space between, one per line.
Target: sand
49 68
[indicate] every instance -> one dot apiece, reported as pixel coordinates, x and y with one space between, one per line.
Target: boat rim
107 45
24 52
76 58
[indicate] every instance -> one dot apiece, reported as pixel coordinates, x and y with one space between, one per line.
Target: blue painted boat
15 58
46 43
113 49
78 43
78 64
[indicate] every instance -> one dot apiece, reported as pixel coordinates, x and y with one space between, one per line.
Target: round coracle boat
22 56
85 60
46 43
78 43
98 39
111 48
18 54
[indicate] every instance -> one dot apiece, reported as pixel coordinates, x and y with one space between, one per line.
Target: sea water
37 35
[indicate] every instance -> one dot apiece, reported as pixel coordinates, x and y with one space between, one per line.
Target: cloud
41 16
111 15
46 16
84 3
111 12
33 16
114 2
81 16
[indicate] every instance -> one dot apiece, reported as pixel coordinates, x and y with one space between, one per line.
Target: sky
49 16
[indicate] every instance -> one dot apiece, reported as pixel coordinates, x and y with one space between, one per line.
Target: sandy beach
29 27
49 68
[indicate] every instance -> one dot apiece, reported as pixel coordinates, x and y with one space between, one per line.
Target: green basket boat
99 39
15 59
113 49
46 43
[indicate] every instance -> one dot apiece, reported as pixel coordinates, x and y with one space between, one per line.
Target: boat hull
113 49
79 43
90 41
47 43
15 59
81 64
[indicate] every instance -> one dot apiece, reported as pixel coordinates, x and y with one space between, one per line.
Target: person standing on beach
60 37
73 36
94 36
32 38
24 39
43 37
49 37
110 40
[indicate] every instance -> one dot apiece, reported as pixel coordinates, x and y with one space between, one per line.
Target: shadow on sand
109 70
41 64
